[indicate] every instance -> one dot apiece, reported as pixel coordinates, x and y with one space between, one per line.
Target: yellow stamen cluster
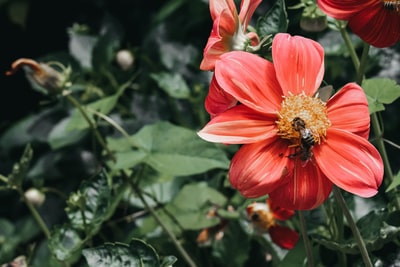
312 110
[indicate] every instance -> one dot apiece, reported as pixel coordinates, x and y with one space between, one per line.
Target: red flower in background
377 22
229 30
295 146
266 216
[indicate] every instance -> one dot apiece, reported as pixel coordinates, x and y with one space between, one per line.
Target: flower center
393 5
303 120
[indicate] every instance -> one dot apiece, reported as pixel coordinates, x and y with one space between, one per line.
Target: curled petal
258 169
283 236
247 8
250 79
239 125
219 41
299 63
307 189
217 100
350 97
218 6
350 162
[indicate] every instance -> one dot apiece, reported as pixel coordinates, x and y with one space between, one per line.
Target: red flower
229 30
377 22
265 217
295 145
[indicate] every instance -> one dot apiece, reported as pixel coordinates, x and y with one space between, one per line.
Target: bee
260 216
392 5
306 140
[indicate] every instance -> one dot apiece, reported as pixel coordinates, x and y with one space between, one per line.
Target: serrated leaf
178 151
97 194
137 253
65 242
173 84
395 183
274 21
375 229
380 91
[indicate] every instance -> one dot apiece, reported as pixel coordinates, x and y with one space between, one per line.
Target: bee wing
324 93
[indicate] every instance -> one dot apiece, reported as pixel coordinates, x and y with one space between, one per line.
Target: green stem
306 240
171 235
36 215
92 125
360 67
349 45
356 233
363 64
3 179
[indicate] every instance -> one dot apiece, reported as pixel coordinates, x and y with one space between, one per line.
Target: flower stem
35 215
171 235
356 233
349 45
92 125
306 240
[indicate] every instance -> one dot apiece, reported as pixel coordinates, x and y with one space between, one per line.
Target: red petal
283 236
250 79
239 125
218 43
279 212
258 169
350 97
377 25
299 63
217 100
307 188
217 6
247 8
343 9
350 162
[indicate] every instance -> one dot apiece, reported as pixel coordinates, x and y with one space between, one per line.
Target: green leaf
380 91
137 253
81 47
126 160
105 105
20 169
173 84
97 196
178 151
191 205
168 261
233 249
395 183
65 242
59 136
274 21
376 229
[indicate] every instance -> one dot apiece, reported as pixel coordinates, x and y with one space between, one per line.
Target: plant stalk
306 240
356 233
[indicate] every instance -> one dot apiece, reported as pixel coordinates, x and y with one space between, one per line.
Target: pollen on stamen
310 109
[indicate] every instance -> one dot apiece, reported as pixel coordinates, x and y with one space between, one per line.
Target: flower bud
125 59
35 197
43 75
